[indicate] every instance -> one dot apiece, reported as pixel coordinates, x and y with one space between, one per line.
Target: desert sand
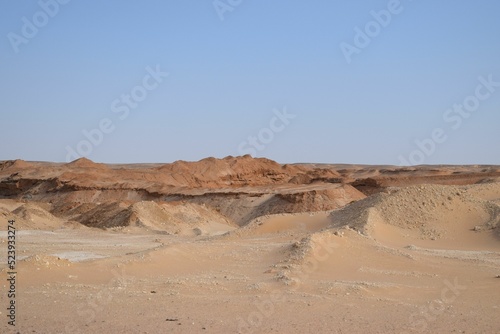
246 245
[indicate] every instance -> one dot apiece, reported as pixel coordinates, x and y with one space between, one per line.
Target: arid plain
245 245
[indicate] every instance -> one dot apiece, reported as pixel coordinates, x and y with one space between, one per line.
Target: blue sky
229 78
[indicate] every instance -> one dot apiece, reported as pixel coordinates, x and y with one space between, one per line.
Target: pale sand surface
244 245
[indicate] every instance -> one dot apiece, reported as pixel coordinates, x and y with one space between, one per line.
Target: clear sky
374 82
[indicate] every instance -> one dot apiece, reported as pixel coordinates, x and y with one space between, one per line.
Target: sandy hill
85 163
163 218
388 249
14 164
243 208
33 216
239 189
230 171
427 211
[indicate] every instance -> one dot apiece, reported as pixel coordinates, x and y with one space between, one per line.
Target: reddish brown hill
230 171
239 188
85 163
14 164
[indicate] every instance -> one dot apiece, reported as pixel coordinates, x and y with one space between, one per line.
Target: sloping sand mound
167 217
243 208
308 201
33 216
321 200
432 210
150 215
179 218
286 224
85 163
32 211
5 214
15 164
21 223
486 191
313 249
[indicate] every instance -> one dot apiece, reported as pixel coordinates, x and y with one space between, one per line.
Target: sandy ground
405 259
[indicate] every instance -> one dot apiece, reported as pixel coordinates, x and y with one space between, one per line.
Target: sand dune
166 218
446 215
